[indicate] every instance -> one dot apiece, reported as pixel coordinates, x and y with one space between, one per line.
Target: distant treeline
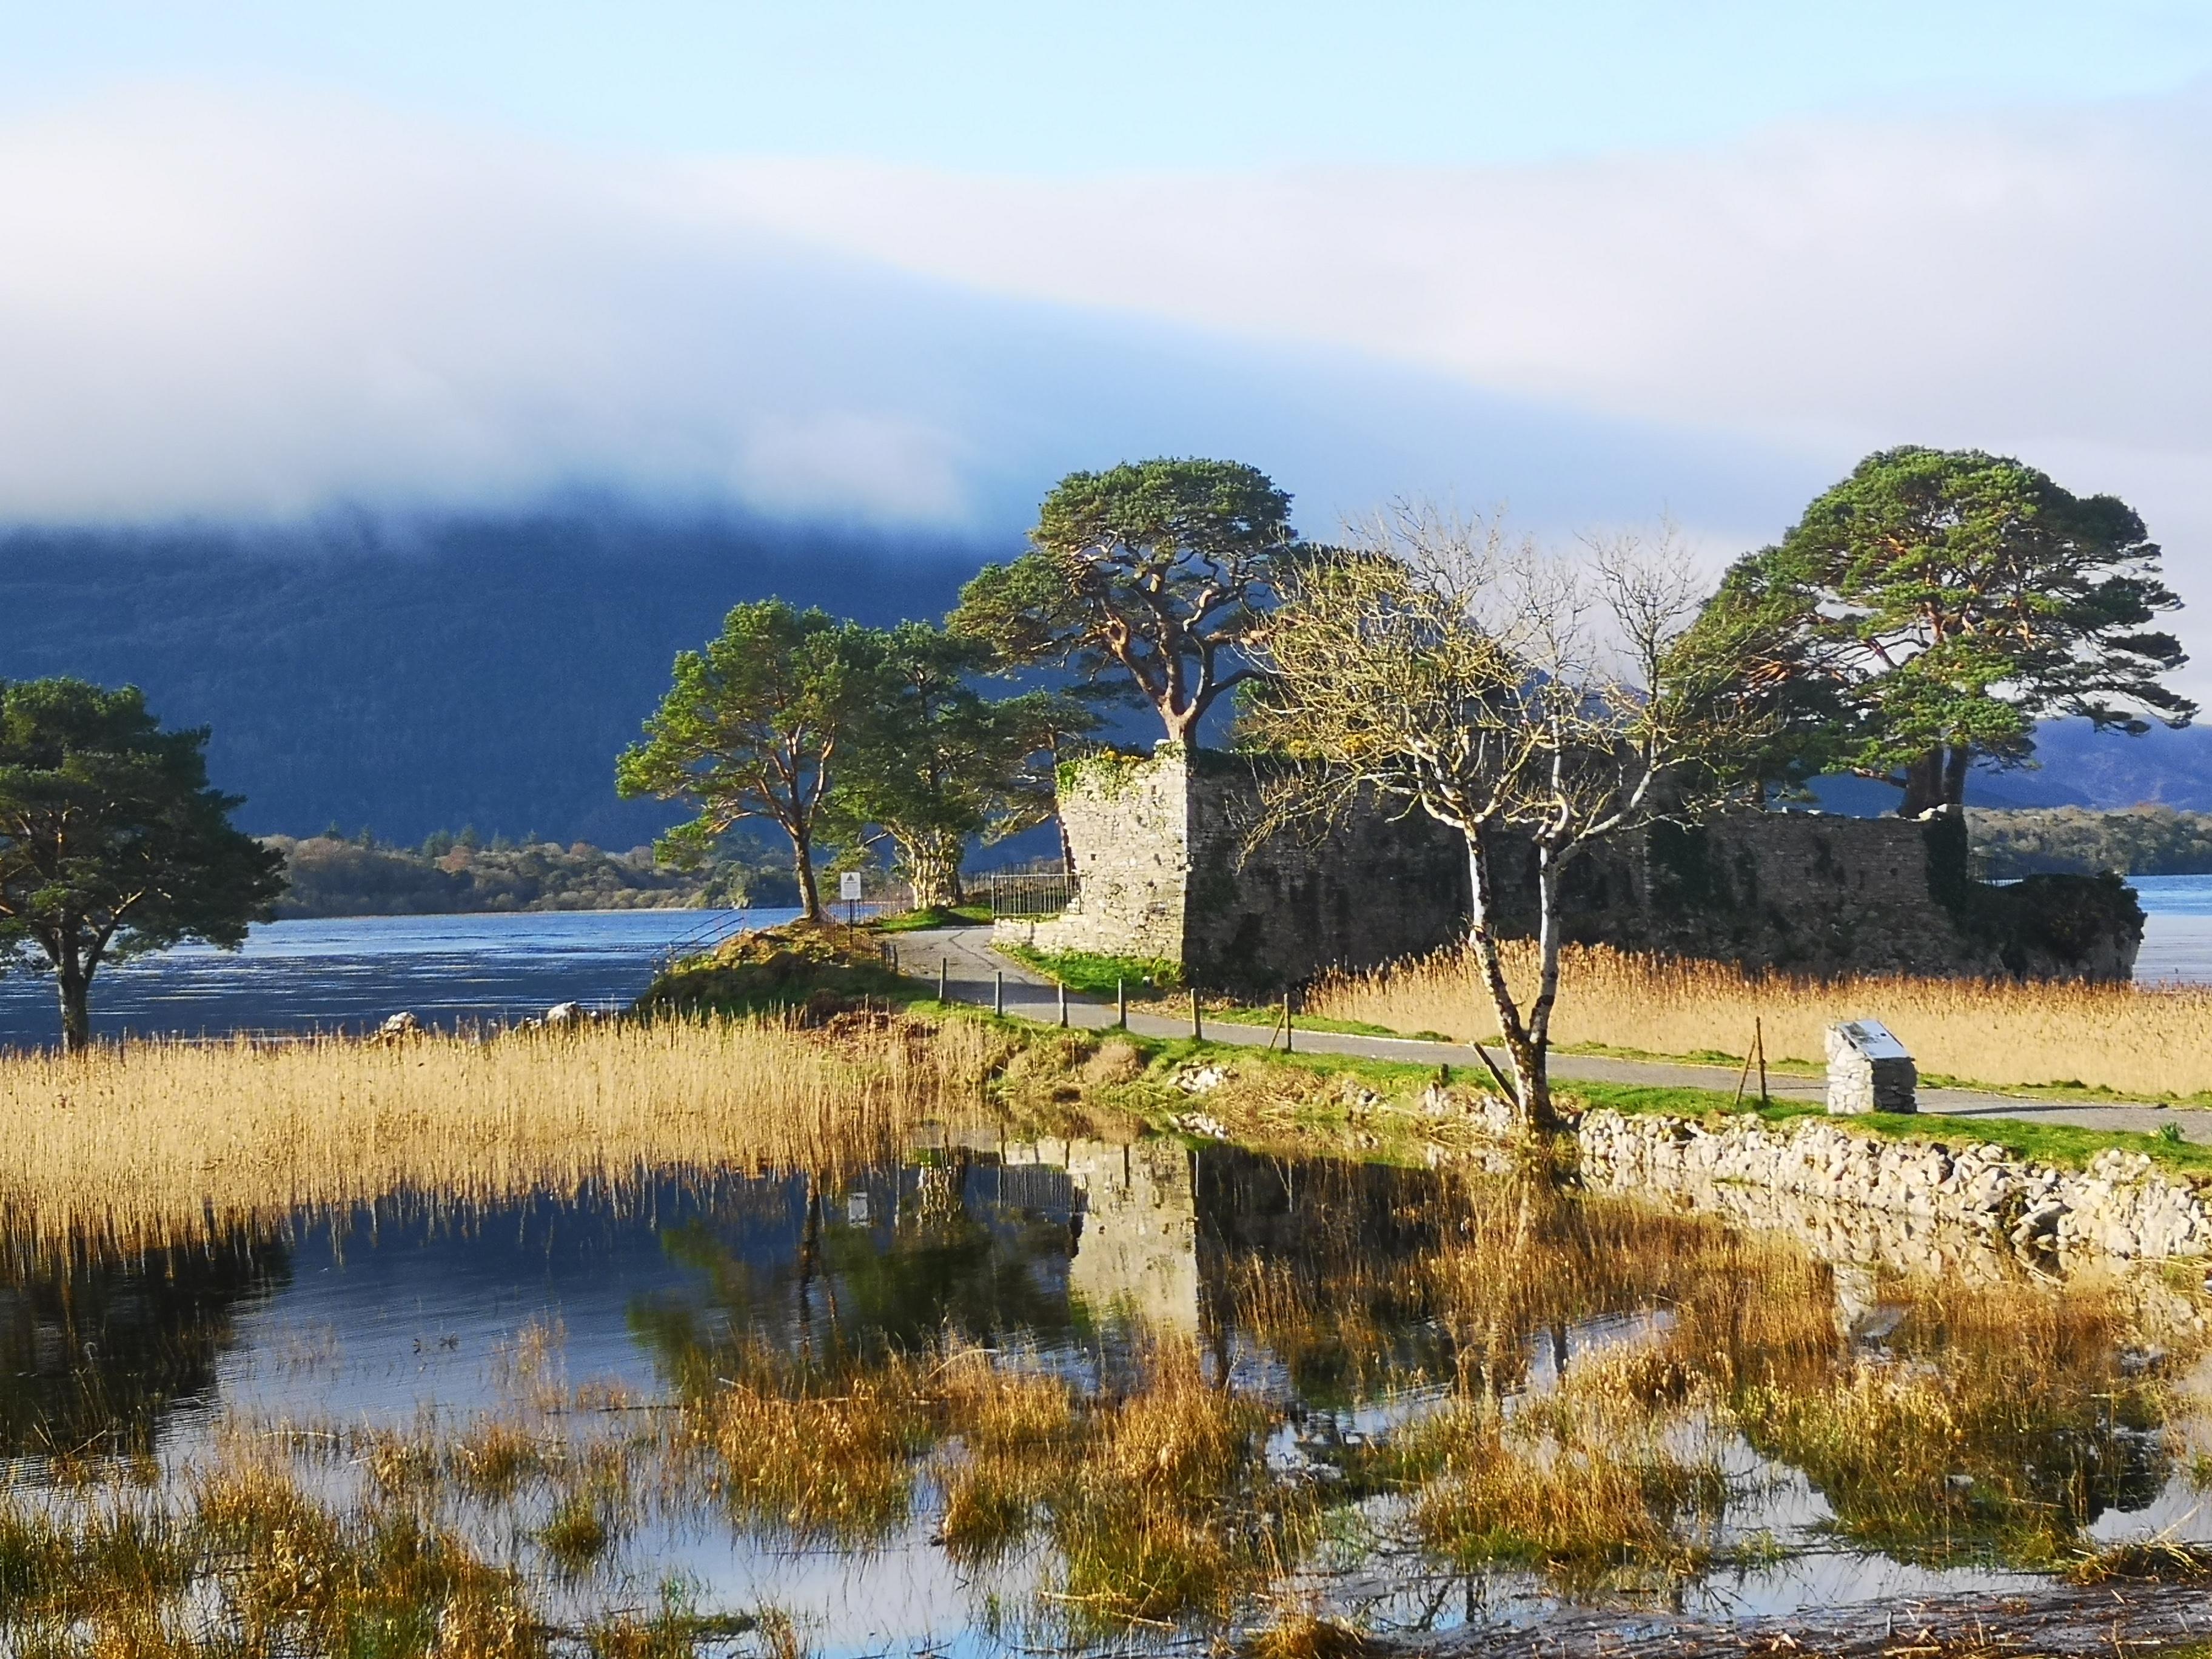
2142 840
331 875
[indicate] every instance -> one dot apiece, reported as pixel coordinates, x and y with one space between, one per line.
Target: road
975 973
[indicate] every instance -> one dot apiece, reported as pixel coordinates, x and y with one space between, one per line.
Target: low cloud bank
237 311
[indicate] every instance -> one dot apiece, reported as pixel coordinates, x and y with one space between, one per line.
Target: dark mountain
422 676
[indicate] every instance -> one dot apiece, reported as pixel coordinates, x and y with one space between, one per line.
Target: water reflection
92 1353
1416 1384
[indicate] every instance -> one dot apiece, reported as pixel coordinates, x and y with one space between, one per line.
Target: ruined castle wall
1376 888
1164 872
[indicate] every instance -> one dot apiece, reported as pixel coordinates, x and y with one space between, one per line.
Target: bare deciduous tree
1441 666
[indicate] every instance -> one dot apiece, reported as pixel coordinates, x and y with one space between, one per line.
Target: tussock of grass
1586 1486
815 970
2144 1561
2001 1418
816 1458
2146 1045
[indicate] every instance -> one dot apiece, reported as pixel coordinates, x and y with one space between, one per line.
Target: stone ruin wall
1159 852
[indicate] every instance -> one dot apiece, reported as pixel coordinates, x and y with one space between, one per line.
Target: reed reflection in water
992 1392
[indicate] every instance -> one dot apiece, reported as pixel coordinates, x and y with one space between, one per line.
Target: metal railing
1031 897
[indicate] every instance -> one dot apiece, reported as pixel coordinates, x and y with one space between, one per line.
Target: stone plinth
1869 1070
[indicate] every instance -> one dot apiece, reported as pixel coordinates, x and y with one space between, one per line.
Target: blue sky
1033 86
908 263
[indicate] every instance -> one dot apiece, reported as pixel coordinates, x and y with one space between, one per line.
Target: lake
354 971
2177 948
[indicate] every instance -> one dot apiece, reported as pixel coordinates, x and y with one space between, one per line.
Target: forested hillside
466 671
2142 840
334 876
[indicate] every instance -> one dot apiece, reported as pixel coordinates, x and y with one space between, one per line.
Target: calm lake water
1305 1284
2177 946
356 970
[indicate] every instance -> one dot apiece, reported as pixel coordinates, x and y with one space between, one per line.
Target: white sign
848 884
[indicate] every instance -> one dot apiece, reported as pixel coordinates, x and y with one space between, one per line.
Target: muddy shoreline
2068 1620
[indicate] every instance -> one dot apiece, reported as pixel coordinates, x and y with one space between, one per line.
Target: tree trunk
1531 1084
933 863
809 900
1954 778
1182 726
1923 785
74 983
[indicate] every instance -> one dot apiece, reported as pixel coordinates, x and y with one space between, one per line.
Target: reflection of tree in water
93 1351
1319 1261
961 1249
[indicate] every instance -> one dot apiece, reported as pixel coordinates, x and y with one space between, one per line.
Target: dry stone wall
2121 1205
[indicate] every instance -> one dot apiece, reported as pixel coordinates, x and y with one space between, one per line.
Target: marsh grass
2153 1043
1593 1487
134 1146
1157 1498
1999 1418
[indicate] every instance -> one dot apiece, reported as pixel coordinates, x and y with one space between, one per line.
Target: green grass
935 916
1092 975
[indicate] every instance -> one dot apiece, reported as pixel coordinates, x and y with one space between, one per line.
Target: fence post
1197 1021
1063 1002
1286 1022
945 979
998 990
1122 1000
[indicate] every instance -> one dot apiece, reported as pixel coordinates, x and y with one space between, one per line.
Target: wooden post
1197 1023
998 990
1744 1076
1286 1022
945 979
1759 1042
1063 1002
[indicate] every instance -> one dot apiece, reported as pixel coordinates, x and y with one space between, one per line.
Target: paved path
974 973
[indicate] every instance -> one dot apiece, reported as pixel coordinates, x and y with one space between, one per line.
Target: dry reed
2003 1032
154 1143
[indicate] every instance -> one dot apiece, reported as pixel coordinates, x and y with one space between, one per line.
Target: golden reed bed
2153 1042
154 1141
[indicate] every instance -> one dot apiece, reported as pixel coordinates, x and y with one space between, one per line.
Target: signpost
849 889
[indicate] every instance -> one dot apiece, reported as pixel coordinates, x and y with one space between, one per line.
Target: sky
906 264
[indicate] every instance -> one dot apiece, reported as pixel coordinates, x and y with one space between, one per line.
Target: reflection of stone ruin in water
1136 1251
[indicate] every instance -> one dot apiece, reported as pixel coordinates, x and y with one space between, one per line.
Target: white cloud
2038 276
